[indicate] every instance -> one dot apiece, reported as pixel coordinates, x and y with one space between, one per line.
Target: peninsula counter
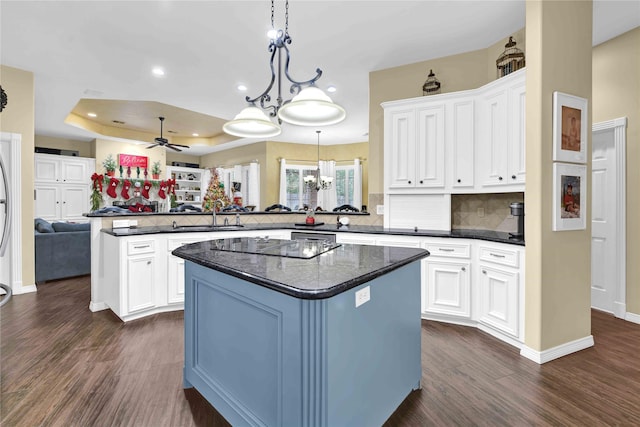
279 340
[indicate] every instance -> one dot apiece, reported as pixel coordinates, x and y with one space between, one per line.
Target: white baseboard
619 309
97 306
632 317
545 356
17 290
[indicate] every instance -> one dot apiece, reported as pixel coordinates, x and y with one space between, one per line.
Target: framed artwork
569 197
569 128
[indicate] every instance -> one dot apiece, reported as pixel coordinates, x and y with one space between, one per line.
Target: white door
603 225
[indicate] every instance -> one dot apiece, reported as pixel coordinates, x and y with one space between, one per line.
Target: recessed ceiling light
195 134
157 71
241 88
331 89
92 115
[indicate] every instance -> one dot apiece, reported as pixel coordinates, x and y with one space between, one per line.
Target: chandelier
309 107
317 181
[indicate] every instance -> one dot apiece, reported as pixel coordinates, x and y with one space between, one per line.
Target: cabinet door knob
409 182
513 177
148 262
421 182
484 271
499 178
463 269
459 180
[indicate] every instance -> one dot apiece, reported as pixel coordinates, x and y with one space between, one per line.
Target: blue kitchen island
301 333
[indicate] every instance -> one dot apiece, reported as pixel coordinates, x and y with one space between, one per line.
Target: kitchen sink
196 228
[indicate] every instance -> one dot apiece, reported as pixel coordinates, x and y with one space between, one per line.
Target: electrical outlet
480 212
363 295
133 222
380 209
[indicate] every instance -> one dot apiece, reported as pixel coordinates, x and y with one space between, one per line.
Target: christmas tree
215 191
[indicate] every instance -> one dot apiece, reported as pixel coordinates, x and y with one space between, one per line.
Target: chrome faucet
214 209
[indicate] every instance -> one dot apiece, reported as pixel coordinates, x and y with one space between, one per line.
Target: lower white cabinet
499 294
447 289
140 283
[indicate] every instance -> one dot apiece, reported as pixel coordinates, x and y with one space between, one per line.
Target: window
298 194
344 185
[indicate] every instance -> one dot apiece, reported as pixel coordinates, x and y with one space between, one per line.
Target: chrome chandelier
309 107
319 182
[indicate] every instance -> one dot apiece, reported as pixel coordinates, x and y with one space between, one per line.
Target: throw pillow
65 226
43 226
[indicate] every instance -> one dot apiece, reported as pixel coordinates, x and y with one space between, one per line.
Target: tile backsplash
484 211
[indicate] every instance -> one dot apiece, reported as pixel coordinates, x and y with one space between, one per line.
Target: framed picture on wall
569 128
569 197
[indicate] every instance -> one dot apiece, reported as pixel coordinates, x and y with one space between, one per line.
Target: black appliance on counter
517 210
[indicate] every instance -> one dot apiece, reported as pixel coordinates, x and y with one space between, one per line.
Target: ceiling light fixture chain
310 106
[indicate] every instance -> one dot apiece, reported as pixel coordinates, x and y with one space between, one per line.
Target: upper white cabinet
501 134
415 152
460 142
62 187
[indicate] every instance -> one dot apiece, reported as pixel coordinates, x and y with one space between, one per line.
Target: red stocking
145 189
161 193
126 185
111 191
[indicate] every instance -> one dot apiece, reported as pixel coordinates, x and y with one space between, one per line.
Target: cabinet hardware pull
421 182
148 262
140 247
445 250
496 255
499 178
409 182
513 177
459 180
484 271
463 269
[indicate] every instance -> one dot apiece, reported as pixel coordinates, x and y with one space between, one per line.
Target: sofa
61 250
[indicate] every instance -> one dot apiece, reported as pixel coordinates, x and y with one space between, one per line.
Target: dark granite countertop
323 276
488 235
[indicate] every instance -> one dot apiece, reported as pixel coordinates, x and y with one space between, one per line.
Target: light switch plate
120 223
362 296
380 209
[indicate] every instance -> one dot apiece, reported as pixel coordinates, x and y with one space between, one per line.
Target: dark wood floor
62 365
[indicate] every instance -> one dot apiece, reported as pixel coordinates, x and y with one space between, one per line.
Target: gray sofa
61 250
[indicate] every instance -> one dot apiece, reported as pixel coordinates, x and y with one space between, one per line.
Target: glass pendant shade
311 107
252 122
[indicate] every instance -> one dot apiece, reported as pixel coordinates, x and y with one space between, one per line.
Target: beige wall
18 117
84 149
104 147
558 280
268 155
465 71
616 93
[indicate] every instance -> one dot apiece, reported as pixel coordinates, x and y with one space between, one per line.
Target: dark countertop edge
115 214
299 293
486 235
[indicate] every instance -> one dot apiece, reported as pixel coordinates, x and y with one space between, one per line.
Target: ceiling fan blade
153 145
179 145
173 148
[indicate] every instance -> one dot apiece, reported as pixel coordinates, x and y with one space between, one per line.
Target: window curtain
253 185
283 182
328 199
357 184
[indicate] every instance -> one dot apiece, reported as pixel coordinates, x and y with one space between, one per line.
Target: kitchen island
303 333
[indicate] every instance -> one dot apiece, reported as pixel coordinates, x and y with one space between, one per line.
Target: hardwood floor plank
61 365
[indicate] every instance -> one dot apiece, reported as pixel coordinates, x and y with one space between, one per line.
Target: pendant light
309 107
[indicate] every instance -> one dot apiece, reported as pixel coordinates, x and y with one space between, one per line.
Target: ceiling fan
164 142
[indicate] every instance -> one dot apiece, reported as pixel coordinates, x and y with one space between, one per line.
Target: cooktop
304 249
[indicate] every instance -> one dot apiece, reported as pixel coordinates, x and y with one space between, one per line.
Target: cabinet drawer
502 256
453 250
140 247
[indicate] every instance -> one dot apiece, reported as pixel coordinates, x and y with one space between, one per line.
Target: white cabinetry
500 302
447 280
191 184
501 125
415 149
460 143
62 186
